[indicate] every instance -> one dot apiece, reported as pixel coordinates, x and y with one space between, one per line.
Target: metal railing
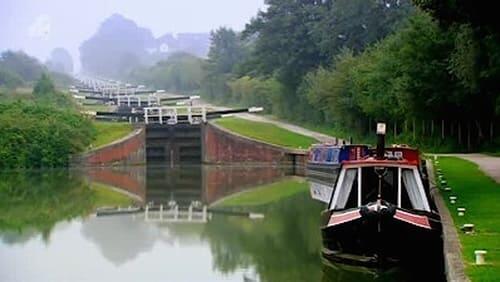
169 115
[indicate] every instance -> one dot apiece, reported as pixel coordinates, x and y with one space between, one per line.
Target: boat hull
378 241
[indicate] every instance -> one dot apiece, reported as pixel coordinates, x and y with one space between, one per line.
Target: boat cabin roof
374 162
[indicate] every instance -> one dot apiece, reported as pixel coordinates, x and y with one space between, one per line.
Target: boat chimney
380 140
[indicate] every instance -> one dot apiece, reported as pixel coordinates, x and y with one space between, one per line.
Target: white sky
38 26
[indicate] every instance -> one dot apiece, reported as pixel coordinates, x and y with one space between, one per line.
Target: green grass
107 132
106 197
480 195
266 132
266 194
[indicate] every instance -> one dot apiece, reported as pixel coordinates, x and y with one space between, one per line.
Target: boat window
369 184
346 194
415 191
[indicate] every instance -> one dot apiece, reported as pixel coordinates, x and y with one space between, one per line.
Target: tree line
349 63
18 69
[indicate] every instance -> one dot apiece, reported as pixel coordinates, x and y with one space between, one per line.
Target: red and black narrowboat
380 211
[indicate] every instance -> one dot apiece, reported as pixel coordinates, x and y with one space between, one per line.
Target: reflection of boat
381 210
251 275
320 191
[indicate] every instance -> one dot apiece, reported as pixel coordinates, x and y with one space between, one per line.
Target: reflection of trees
283 247
120 238
37 200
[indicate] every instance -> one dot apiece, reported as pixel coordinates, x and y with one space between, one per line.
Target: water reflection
43 224
34 201
282 247
120 238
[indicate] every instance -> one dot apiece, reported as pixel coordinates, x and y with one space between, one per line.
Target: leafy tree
402 77
284 43
60 61
181 72
355 24
44 86
249 91
295 37
227 52
10 79
331 92
28 68
476 55
477 13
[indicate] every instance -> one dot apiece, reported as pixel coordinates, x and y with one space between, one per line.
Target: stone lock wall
128 150
222 147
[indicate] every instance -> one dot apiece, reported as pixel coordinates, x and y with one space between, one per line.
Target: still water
47 232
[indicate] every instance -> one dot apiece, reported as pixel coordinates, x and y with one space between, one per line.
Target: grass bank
479 194
265 194
107 132
105 196
267 132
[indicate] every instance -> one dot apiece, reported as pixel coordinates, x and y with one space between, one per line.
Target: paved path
489 164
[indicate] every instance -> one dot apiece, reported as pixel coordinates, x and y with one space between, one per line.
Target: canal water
48 232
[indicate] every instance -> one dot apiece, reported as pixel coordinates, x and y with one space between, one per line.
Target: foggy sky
38 26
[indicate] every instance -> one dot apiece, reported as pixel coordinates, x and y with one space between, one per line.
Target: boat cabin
362 182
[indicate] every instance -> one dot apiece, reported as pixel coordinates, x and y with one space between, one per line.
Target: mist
38 27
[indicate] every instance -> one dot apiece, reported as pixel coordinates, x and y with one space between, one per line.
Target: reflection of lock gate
175 214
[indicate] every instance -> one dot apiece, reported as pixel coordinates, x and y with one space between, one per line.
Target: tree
28 68
44 86
295 37
181 72
475 59
331 91
476 13
9 79
355 24
60 61
226 53
225 50
284 44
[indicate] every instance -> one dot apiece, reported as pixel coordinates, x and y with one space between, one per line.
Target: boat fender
388 211
368 213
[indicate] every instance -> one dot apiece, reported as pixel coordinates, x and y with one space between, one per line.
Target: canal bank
469 197
452 252
208 143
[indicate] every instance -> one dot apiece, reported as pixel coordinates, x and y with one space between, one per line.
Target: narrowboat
380 211
323 167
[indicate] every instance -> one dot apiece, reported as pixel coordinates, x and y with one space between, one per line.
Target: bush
39 135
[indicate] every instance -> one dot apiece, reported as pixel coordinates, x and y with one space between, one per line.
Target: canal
48 232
